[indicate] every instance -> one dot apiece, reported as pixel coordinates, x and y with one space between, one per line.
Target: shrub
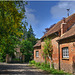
37 64
32 62
15 59
47 65
52 65
29 62
42 64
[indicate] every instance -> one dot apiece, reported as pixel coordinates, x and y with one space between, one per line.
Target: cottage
67 50
63 41
38 52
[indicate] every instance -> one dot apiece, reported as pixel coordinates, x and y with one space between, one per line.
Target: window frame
65 53
37 53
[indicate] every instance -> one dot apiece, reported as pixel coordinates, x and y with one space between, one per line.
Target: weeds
46 67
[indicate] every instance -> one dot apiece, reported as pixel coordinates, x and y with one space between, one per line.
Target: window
65 52
37 53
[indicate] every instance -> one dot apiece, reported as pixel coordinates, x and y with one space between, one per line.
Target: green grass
46 67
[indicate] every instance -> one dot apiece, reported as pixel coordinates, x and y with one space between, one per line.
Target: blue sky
42 14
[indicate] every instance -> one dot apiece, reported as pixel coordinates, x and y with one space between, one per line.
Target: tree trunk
7 58
45 60
23 58
50 62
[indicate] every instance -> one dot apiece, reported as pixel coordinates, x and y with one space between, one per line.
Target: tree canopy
26 49
11 15
13 29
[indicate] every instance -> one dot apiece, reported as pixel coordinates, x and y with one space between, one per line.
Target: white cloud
59 10
31 17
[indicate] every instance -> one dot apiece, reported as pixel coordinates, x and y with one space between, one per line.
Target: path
10 69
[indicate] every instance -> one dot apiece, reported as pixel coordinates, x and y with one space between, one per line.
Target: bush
2 59
52 65
42 64
37 64
32 62
15 59
47 65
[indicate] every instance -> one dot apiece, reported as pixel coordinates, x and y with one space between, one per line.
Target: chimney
62 26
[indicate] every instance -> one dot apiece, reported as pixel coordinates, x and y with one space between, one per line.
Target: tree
8 46
47 51
24 36
31 36
11 15
10 19
26 48
30 32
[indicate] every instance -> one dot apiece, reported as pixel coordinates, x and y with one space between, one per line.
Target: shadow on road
19 69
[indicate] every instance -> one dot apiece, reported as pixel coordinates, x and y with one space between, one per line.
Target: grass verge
46 67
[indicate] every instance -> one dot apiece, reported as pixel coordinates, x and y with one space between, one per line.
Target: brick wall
68 64
55 56
40 58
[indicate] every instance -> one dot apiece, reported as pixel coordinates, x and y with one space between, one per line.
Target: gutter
65 38
59 53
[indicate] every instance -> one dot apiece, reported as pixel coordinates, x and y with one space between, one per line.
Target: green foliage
24 36
11 15
26 48
48 47
10 19
37 64
1 58
31 35
13 27
42 64
8 46
32 62
46 67
15 59
47 51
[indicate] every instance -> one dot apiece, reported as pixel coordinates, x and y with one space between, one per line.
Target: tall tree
30 32
26 49
24 36
11 15
31 35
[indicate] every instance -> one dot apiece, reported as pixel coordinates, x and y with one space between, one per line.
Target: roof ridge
56 27
71 17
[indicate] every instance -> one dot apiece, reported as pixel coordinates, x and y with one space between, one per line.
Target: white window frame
37 53
65 52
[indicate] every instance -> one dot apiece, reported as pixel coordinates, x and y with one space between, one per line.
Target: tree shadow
19 69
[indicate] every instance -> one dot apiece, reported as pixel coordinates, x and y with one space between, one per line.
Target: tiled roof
37 44
57 26
69 33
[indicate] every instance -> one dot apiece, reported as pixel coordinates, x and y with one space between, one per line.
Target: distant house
63 41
